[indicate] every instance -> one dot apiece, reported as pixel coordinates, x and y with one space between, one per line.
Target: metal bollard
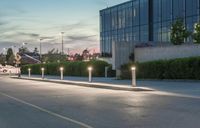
133 69
61 73
90 73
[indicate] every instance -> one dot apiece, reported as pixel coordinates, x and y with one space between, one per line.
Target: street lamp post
23 44
5 50
133 69
42 69
61 73
62 52
29 72
13 47
90 73
41 49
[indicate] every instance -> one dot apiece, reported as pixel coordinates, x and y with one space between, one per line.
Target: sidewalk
103 83
185 87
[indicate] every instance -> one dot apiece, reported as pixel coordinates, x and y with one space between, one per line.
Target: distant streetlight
62 52
133 69
61 73
13 47
41 49
5 50
90 73
23 44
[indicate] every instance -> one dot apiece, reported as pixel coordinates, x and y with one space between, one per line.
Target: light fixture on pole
5 50
90 73
41 49
62 52
133 69
61 73
13 47
23 44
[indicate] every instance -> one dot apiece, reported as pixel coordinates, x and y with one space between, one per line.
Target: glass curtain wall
130 21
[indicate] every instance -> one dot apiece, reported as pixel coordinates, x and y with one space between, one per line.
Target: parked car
9 69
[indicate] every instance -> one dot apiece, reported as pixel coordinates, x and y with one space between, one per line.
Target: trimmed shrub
184 68
78 68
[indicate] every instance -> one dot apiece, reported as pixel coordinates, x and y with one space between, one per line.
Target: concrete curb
92 85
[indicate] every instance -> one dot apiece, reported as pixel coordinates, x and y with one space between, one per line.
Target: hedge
184 68
78 68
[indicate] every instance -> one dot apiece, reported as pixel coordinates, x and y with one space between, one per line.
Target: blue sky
29 20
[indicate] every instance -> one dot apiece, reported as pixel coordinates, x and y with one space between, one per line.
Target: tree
196 33
85 54
78 57
23 50
54 56
2 59
10 56
36 51
178 32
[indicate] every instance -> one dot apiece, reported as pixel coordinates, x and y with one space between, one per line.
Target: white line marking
47 111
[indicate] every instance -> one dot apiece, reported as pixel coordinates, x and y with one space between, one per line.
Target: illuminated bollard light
29 72
133 69
90 73
61 73
42 69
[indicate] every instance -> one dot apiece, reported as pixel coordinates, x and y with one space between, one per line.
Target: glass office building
144 21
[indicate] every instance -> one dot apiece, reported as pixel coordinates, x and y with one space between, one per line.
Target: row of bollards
133 69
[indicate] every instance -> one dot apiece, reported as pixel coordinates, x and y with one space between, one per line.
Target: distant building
142 23
30 58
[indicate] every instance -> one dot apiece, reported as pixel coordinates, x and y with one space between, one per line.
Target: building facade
138 22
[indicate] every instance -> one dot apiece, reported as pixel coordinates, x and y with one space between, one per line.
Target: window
166 31
144 33
190 21
167 9
129 16
114 19
136 17
157 32
107 20
144 12
191 7
156 10
128 35
178 9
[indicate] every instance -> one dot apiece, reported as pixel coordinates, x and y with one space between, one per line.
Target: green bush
185 68
78 68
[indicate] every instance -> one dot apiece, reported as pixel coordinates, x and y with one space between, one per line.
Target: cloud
7 12
3 23
33 35
77 37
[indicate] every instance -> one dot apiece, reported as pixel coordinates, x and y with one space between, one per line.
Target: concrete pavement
33 104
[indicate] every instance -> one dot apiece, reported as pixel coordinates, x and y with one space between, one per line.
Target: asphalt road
31 104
